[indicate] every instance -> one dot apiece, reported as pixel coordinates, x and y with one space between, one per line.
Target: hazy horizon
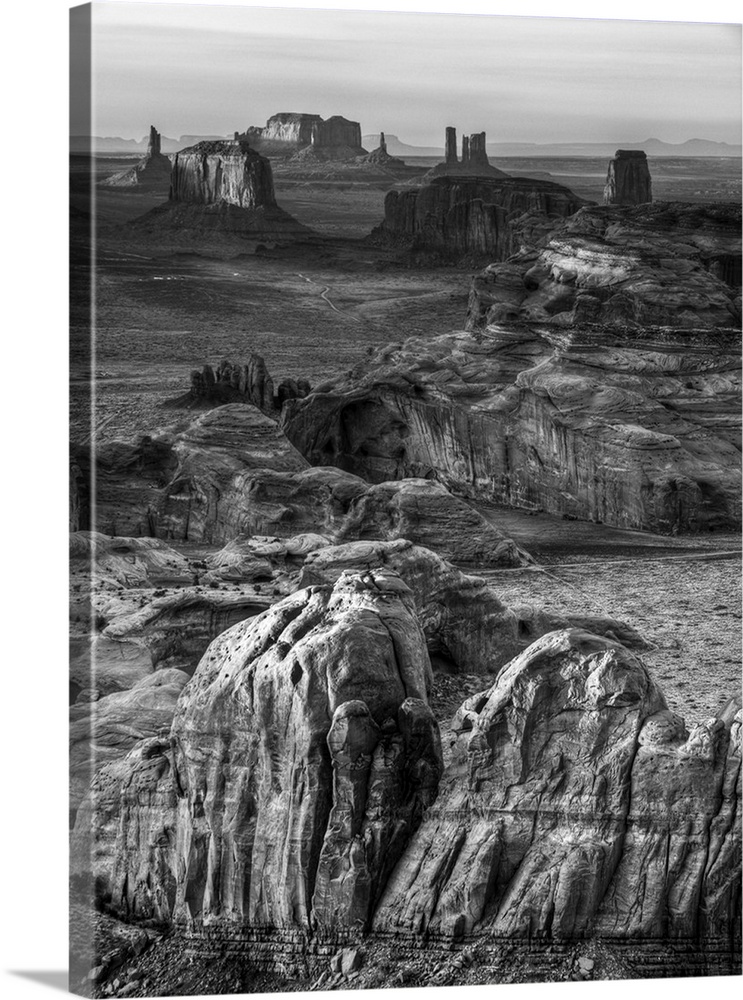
213 70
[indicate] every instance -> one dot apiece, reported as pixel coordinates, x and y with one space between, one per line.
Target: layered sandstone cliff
222 173
456 215
638 431
664 264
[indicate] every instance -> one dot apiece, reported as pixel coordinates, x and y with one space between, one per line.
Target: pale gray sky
211 69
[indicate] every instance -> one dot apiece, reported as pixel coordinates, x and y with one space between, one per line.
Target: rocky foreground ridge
302 801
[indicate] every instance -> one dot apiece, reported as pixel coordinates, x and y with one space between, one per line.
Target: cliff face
628 179
289 133
301 799
664 264
222 173
641 434
470 215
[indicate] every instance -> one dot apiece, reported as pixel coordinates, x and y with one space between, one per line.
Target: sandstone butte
301 801
222 185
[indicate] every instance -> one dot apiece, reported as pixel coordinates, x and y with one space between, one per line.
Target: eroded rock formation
151 173
663 264
300 799
563 837
315 715
222 173
234 383
628 179
474 162
456 215
639 433
222 185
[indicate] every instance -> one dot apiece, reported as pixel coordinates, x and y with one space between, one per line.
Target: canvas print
404 500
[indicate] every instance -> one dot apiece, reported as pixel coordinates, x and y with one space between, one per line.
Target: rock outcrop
315 718
640 431
455 216
576 805
105 730
151 173
289 133
222 185
664 264
474 162
222 173
381 157
233 472
628 179
300 799
241 383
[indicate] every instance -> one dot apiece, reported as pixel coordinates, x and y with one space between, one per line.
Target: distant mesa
306 136
151 173
474 162
628 179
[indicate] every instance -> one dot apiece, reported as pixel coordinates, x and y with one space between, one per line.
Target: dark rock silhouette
236 383
152 173
628 179
474 162
454 216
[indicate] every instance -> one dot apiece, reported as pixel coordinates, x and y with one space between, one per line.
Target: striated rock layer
222 173
665 264
300 800
640 432
460 215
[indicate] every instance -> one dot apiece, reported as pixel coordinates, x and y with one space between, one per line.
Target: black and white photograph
404 499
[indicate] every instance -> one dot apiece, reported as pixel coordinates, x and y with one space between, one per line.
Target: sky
215 69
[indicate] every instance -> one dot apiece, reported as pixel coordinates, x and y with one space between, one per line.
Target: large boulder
576 805
302 757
